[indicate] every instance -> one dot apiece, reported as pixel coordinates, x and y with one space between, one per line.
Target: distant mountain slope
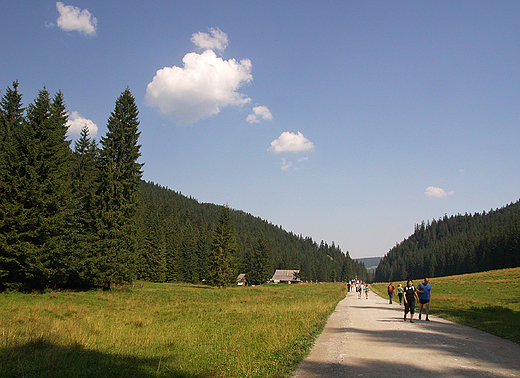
371 263
175 233
456 245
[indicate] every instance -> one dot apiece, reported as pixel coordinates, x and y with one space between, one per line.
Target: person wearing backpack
390 292
410 294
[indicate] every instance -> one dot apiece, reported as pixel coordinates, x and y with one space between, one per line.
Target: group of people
360 286
409 293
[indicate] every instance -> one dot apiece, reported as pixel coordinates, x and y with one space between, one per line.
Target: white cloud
76 123
215 40
259 112
285 164
201 88
74 19
290 142
433 191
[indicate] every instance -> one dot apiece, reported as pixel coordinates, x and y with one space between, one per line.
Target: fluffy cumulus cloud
203 86
433 191
290 142
216 39
76 123
259 112
74 19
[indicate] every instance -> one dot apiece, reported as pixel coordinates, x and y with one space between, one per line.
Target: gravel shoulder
368 338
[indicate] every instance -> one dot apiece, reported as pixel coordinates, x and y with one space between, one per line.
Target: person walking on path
366 291
400 293
410 294
361 339
424 289
390 292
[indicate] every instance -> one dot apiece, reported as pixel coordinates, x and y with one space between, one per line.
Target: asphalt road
368 338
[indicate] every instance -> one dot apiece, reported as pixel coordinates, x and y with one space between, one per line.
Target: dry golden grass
164 330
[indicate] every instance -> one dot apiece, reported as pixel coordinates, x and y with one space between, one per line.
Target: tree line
177 234
456 245
83 217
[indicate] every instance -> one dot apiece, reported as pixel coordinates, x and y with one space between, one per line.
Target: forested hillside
456 245
175 234
83 217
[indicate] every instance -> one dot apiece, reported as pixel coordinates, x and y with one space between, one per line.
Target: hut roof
286 275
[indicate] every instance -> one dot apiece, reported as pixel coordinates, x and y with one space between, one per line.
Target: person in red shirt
390 291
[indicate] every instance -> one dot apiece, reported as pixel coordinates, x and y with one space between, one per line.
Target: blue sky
345 121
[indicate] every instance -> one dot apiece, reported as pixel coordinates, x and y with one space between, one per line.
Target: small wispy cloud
75 19
285 165
290 142
76 123
433 191
216 39
259 112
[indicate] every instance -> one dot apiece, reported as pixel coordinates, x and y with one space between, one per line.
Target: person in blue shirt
424 290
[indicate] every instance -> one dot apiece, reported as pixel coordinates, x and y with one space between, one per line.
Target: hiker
410 294
400 293
390 291
366 291
424 289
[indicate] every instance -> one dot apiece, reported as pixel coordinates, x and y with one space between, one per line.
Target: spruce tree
261 265
115 250
189 246
221 264
85 175
39 193
11 123
152 246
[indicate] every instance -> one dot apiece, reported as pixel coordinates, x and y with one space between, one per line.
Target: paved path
368 338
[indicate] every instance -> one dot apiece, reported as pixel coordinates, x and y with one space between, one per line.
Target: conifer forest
81 216
456 245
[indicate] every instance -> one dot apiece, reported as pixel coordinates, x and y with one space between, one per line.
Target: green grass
489 301
163 330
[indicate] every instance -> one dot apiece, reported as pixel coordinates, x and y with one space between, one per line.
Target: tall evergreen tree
221 266
114 257
85 174
39 202
261 266
189 246
11 123
152 246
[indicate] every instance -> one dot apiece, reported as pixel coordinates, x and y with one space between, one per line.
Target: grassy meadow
163 330
489 301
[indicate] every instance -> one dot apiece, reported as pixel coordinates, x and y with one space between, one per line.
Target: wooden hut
242 280
286 276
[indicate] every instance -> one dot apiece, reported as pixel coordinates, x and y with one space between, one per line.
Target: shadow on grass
44 359
497 320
